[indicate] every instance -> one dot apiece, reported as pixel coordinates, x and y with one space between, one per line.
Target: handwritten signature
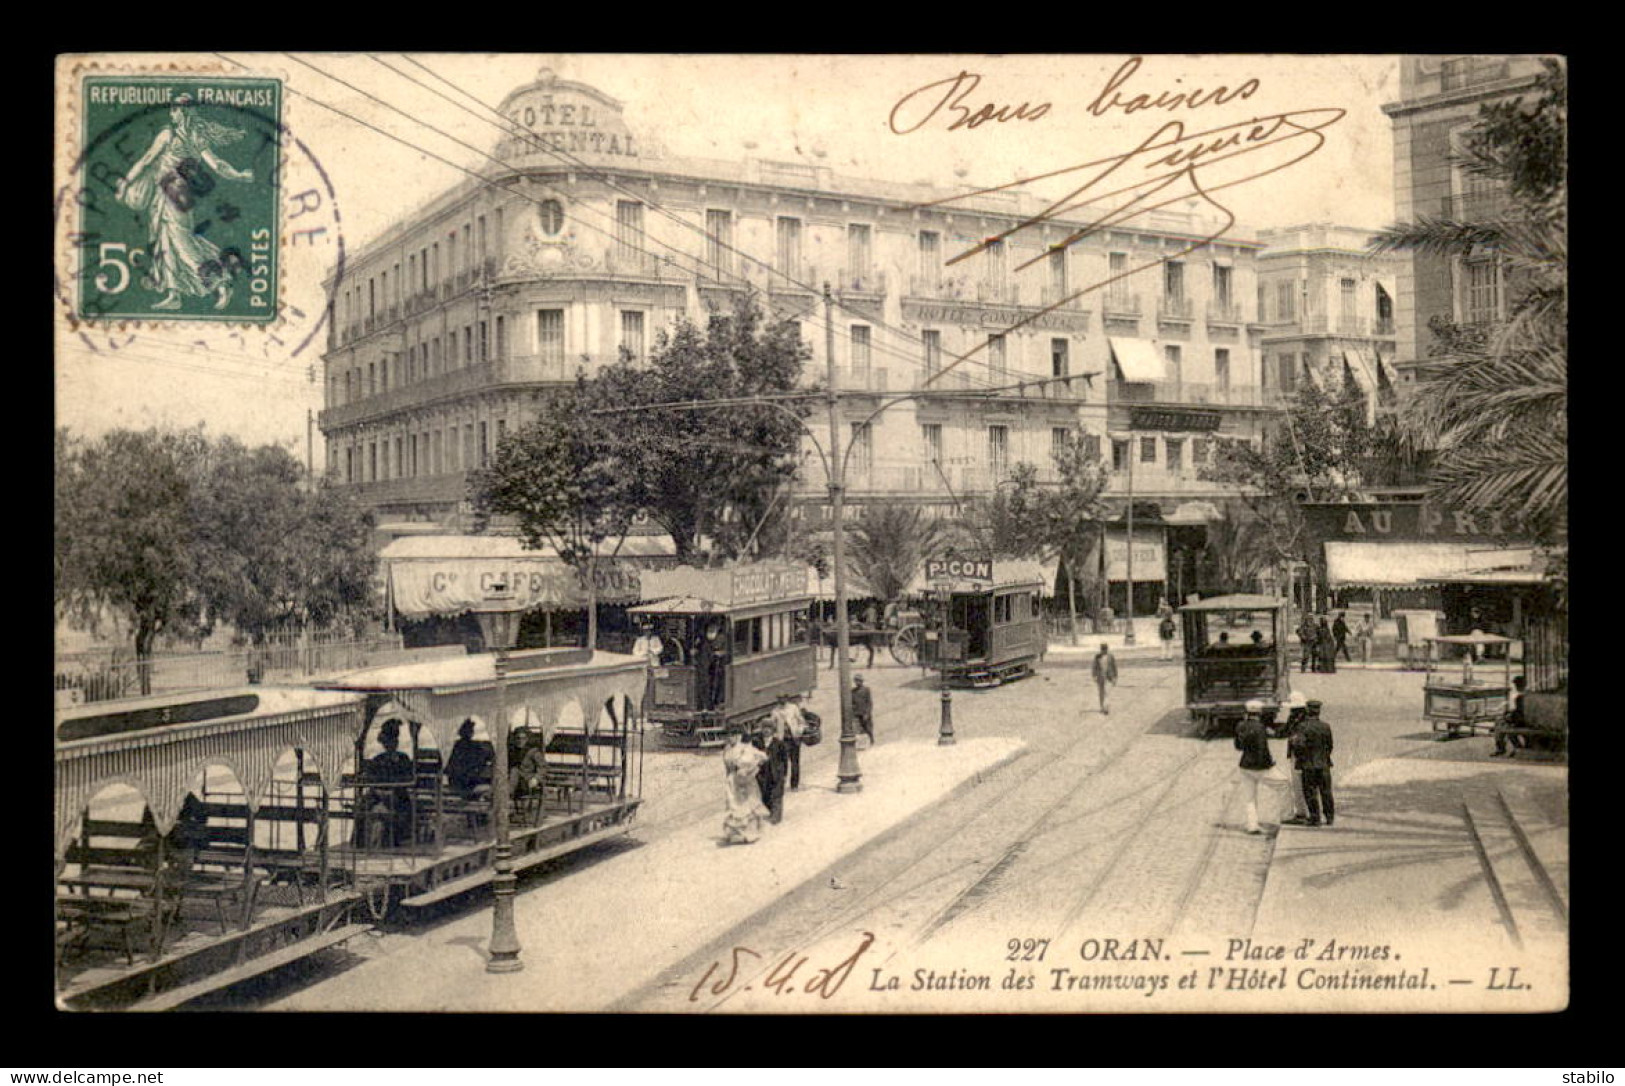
781 979
956 88
1167 167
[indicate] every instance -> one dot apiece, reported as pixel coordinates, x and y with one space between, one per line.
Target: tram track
953 849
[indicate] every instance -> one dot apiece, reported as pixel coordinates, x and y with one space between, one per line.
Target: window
484 241
860 348
1288 368
1173 280
412 449
468 246
1263 297
930 257
1483 292
1221 285
862 450
412 269
994 269
1148 450
628 228
789 247
468 344
932 433
632 333
1091 445
1221 368
1057 441
1173 365
1119 455
719 241
1201 450
452 253
996 360
372 299
1057 274
1176 454
550 336
485 341
502 430
1117 281
435 350
372 379
372 461
434 260
933 351
502 339
470 450
383 286
485 444
1059 365
857 251
1001 609
1346 306
423 267
550 217
998 450
1286 301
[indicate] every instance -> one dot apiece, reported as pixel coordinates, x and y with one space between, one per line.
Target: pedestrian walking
1325 648
1364 634
775 772
1297 710
788 725
1340 635
742 762
863 707
1256 761
1166 630
1105 673
1311 750
1307 632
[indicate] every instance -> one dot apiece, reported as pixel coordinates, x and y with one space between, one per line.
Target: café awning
1137 358
1397 564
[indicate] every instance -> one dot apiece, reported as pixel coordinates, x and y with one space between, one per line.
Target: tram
985 634
731 642
204 839
1235 652
196 843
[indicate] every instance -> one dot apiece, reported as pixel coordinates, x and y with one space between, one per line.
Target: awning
1137 358
1198 512
1363 367
1397 565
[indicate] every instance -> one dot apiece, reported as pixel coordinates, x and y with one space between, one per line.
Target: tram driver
390 773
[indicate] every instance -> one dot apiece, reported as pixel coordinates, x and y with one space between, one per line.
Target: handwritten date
782 978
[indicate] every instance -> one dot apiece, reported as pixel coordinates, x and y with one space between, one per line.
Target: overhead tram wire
487 181
505 126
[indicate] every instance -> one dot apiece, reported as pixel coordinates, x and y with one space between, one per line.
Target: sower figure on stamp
1256 761
863 707
1105 673
160 186
1311 749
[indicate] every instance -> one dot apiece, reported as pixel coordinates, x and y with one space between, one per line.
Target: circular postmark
189 217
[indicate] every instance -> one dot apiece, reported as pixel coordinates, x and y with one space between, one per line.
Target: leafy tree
1070 514
1010 522
888 545
565 480
1237 550
268 553
709 475
1494 403
124 532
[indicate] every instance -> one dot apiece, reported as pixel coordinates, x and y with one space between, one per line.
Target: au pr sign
959 569
1408 520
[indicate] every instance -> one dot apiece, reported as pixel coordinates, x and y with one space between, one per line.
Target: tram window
742 637
1002 609
799 632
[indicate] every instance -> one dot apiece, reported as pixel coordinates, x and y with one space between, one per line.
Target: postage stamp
186 226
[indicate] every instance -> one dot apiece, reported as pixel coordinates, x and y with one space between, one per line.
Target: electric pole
851 780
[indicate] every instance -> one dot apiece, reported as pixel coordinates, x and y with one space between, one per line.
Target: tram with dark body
731 642
207 838
994 631
1235 652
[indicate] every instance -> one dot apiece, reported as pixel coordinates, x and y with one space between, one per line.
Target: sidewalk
605 929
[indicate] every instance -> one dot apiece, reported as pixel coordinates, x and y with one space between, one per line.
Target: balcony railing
1060 297
457 382
1192 393
861 282
1462 72
1174 307
1473 206
1121 304
999 293
625 262
1383 326
1225 313
861 378
1340 325
796 277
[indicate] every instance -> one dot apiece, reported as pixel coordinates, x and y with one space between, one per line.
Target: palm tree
1494 407
888 545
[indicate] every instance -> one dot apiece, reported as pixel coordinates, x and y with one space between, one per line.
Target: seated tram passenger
390 773
468 770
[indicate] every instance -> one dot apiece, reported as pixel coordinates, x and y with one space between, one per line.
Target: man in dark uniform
1308 632
863 708
1340 638
1311 750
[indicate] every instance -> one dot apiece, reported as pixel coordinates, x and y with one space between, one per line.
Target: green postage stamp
184 172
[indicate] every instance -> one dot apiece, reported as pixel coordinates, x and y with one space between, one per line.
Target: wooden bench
122 888
572 768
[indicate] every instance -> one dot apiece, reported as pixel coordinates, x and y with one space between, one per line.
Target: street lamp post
850 779
945 728
498 628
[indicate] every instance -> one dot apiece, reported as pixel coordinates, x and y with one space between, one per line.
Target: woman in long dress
743 822
163 186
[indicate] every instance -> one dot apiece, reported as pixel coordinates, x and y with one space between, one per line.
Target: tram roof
269 700
1241 601
477 670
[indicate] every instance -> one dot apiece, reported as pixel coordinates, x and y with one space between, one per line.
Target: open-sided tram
732 641
1235 652
207 838
985 632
